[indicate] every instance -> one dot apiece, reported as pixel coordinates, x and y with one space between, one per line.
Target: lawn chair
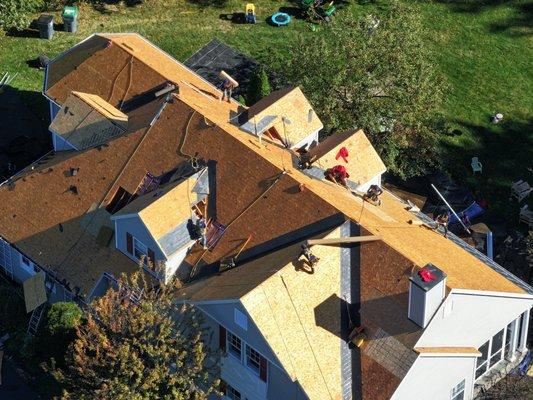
476 165
520 190
526 216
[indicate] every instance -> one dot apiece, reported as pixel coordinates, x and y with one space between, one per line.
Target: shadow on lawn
506 152
520 24
209 3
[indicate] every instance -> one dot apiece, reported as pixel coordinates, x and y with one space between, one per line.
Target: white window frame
244 353
136 243
248 356
490 354
458 392
231 388
229 345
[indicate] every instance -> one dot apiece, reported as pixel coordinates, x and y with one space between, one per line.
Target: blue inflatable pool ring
280 19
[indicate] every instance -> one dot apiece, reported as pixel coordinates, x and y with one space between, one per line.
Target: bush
15 14
259 86
62 318
59 330
21 344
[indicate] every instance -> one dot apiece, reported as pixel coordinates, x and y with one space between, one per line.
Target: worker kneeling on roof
372 194
337 174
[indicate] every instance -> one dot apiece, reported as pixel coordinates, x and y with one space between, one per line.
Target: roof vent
427 288
73 189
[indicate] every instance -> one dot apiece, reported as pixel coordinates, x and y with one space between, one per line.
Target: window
508 336
240 319
233 393
253 359
140 250
25 261
234 345
481 362
496 348
458 392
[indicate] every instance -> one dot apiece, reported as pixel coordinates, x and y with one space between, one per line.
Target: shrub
259 86
21 344
62 318
15 14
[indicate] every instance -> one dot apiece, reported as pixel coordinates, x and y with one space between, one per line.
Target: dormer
86 120
353 151
155 227
284 116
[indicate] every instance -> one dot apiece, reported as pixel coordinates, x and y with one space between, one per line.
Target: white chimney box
427 288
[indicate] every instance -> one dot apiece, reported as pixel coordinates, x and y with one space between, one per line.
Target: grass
484 49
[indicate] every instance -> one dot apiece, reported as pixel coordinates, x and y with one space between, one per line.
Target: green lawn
485 52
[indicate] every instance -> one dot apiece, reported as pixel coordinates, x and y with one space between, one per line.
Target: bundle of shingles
7 78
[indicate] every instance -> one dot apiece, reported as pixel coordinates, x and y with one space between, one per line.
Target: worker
227 89
442 220
312 260
201 231
337 174
305 159
372 194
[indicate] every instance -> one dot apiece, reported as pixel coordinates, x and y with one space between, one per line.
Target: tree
146 349
374 74
15 13
59 330
259 86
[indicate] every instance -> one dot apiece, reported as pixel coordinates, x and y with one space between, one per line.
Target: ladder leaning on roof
35 319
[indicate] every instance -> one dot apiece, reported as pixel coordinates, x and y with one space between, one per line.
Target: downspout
490 253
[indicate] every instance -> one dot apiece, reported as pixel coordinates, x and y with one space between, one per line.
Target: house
145 148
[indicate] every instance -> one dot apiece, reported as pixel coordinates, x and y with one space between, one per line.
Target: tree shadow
208 3
110 6
518 25
506 153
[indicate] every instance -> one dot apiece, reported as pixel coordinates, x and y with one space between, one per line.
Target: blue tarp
468 214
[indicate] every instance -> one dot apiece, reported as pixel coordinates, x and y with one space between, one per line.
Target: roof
258 194
162 209
287 110
166 210
216 56
87 120
280 303
363 162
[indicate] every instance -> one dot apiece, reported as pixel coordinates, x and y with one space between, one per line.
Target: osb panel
102 106
169 210
286 307
295 107
363 163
